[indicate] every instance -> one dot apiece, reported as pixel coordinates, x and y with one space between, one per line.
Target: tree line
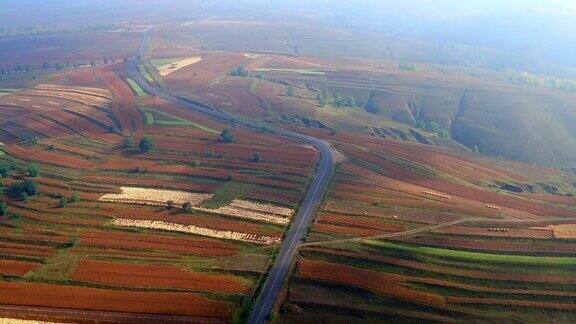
40 30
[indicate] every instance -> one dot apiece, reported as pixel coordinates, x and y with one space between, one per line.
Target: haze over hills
288 161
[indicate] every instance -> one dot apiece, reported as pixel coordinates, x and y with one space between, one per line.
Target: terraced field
107 218
511 263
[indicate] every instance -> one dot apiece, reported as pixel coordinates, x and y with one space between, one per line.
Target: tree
32 170
239 71
322 98
32 140
5 169
433 127
62 202
407 66
256 157
127 143
290 92
3 209
146 144
75 196
30 187
187 207
226 136
170 204
23 189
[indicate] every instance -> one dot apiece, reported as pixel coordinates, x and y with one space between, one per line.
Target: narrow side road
301 222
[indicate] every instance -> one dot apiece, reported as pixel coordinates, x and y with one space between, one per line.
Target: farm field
513 263
186 228
452 196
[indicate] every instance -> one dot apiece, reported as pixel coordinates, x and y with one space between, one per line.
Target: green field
478 257
298 71
145 74
136 88
158 118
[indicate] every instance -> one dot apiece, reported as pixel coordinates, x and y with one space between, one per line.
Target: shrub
146 144
32 140
187 207
32 170
3 209
239 71
256 157
75 197
62 202
4 169
226 136
127 143
170 204
23 189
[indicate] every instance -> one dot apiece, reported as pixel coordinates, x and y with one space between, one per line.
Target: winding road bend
301 222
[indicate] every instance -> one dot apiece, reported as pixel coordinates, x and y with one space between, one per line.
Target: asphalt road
300 224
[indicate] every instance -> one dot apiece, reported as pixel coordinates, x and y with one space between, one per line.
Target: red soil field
204 72
16 268
123 104
26 249
298 156
82 126
353 231
54 217
149 256
492 246
387 284
201 247
234 164
82 152
489 289
137 275
359 222
150 166
507 302
543 277
43 156
512 232
405 174
184 113
151 182
82 77
46 295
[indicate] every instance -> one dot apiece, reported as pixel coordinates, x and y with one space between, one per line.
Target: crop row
155 197
191 229
267 208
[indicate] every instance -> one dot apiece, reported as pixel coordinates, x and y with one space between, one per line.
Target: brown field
134 275
386 284
35 294
16 268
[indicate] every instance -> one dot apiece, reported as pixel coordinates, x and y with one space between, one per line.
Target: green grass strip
476 256
136 88
145 74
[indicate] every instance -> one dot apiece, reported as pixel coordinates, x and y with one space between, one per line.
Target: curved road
301 222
